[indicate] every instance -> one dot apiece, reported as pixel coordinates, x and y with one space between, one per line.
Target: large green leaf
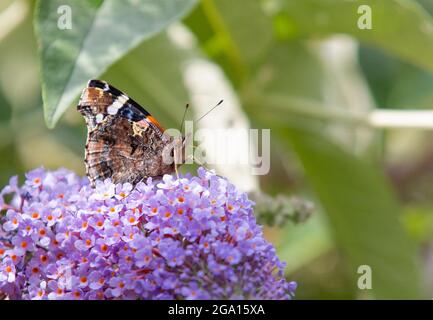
304 242
9 161
242 33
363 213
401 27
101 33
353 192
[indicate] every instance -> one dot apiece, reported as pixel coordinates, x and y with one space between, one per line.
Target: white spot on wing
117 104
99 118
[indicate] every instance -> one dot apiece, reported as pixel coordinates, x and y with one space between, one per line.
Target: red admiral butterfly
124 142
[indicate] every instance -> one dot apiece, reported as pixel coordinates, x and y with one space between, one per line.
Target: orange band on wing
156 123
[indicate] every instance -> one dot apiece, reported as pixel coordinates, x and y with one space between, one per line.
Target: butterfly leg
175 163
177 172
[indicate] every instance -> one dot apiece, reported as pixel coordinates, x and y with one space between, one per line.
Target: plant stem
283 106
220 28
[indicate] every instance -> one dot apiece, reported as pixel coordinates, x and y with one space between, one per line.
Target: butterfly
124 142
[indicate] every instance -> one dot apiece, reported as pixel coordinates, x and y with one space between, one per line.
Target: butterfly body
124 142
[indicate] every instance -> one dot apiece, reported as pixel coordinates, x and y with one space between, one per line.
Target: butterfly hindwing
124 142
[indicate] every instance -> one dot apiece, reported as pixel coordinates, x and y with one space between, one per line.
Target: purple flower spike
186 238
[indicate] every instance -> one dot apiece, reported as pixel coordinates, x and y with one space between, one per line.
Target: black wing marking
131 110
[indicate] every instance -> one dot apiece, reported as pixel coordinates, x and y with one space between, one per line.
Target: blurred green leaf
288 89
363 213
380 71
243 33
302 243
394 83
361 208
10 161
101 33
290 69
5 109
400 27
418 220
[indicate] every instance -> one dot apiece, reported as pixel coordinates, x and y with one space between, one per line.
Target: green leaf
302 243
290 69
242 30
101 34
363 213
354 194
400 27
10 161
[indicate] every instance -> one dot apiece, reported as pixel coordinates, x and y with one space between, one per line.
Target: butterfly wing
124 142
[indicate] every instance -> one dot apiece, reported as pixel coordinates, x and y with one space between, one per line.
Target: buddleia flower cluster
193 237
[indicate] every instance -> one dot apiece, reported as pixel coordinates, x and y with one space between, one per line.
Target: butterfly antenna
221 101
183 118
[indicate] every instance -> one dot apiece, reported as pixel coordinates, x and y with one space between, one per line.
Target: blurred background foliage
302 68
